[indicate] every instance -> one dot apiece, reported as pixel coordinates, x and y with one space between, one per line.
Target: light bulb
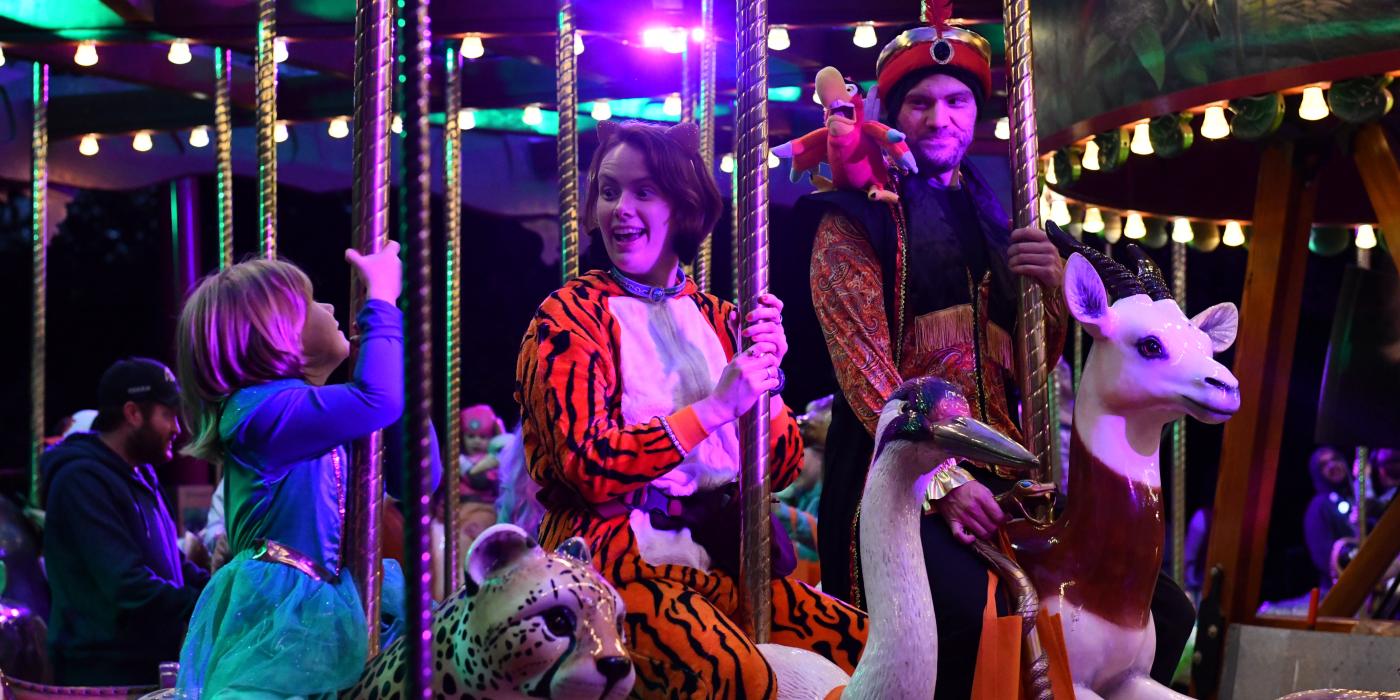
778 39
532 116
1142 144
1046 205
142 141
726 164
2 55
199 137
1113 228
1003 129
1234 234
339 128
1214 126
1181 230
578 43
396 124
1050 172
674 41
1134 227
86 55
1093 220
179 52
279 50
773 161
466 119
1059 212
697 35
602 110
672 106
472 48
279 132
1365 237
1090 161
1314 104
864 36
88 146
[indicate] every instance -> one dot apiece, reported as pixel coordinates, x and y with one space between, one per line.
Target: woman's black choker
646 291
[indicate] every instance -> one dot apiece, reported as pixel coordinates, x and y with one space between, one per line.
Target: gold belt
278 553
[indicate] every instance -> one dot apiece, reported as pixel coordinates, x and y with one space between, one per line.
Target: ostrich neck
903 636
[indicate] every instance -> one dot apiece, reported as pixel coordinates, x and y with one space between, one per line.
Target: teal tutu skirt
263 629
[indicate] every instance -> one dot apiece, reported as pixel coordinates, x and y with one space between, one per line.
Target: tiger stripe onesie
604 382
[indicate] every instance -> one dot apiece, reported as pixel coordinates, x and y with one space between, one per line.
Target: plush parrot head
840 97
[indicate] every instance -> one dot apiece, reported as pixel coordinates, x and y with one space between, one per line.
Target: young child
282 618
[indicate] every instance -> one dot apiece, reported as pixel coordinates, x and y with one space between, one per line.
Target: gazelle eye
1151 348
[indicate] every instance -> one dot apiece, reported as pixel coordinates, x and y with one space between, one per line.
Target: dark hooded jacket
122 591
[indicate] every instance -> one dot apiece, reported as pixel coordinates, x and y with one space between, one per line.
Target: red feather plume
937 13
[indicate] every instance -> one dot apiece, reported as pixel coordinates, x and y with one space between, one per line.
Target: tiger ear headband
685 134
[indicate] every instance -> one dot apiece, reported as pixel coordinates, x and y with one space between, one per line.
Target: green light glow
786 93
56 15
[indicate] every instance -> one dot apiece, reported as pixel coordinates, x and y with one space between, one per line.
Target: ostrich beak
969 439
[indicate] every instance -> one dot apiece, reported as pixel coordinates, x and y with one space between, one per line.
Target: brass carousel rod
223 151
566 92
704 261
452 284
267 127
1179 437
39 205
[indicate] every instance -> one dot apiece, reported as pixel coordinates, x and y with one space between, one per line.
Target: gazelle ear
1221 322
1086 297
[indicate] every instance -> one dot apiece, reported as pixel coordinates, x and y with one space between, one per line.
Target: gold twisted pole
223 151
687 89
267 127
1179 437
751 131
1026 603
704 261
418 340
1035 418
1078 334
39 205
566 94
374 37
452 373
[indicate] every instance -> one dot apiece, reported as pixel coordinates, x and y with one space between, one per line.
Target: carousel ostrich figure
1096 565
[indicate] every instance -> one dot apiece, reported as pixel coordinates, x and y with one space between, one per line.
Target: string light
1234 234
339 128
1003 129
86 55
1113 228
1059 212
778 39
602 111
532 116
1090 161
697 35
1142 144
1093 220
1181 231
726 164
142 141
466 119
864 36
1134 227
578 43
773 161
472 48
179 52
199 137
672 106
279 132
1214 126
279 50
2 55
1050 172
88 146
1365 237
1314 104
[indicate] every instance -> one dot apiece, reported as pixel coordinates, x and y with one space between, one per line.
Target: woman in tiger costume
630 387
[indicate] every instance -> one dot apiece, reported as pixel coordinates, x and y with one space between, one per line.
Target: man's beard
941 159
148 446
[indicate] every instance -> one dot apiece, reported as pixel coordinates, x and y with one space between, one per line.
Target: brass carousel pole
1030 355
1179 437
223 151
687 89
566 92
267 128
452 318
704 261
418 340
374 38
751 164
39 205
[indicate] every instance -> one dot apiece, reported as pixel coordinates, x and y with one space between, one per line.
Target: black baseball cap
137 379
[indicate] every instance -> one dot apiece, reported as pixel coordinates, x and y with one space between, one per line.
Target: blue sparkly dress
282 619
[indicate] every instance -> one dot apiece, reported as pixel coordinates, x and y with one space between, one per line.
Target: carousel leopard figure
526 624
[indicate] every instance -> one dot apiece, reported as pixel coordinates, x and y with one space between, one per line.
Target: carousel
1225 167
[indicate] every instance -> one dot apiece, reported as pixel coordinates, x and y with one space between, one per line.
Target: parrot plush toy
855 148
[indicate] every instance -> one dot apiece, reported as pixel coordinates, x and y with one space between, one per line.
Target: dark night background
109 297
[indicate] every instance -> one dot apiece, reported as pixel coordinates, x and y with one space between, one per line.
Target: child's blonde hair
241 327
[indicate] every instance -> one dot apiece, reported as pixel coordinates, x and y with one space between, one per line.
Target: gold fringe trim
953 326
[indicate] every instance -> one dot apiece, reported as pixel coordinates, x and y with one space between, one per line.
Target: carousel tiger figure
528 623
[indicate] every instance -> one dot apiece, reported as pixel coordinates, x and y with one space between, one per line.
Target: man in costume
926 286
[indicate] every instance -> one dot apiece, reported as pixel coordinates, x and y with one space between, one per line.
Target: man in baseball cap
122 591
